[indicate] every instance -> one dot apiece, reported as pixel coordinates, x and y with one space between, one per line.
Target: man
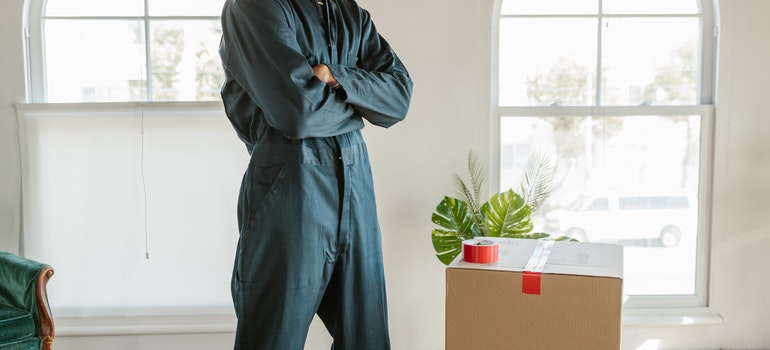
301 78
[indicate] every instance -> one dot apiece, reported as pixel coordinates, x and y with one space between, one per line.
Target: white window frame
668 309
34 37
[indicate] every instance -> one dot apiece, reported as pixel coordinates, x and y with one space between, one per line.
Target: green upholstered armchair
25 318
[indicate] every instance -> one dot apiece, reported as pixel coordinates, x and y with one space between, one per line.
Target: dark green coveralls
309 237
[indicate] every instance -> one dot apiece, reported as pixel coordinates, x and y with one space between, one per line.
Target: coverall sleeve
380 88
261 54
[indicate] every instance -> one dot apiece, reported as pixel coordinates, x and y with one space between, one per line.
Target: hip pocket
259 184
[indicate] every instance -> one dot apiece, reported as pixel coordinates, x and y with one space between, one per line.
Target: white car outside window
631 219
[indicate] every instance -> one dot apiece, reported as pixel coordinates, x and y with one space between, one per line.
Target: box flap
569 258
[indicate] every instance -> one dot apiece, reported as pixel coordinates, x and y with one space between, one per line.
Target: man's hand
323 73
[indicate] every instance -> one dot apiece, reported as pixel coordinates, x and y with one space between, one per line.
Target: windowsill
100 106
671 317
72 326
144 325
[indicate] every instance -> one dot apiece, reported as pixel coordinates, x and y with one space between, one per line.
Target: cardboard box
495 306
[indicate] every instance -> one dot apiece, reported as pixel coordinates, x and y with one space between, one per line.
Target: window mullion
599 75
147 51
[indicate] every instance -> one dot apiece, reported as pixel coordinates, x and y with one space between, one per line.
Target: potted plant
505 214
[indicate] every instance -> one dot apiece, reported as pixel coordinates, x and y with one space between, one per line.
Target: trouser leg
355 318
354 307
283 258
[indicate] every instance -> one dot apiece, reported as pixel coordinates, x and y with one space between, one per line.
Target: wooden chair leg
43 309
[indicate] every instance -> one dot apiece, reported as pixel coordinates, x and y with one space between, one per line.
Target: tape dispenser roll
480 251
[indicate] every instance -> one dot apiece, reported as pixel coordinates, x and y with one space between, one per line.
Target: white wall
446 46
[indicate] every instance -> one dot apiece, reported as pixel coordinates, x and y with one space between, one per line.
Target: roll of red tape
480 251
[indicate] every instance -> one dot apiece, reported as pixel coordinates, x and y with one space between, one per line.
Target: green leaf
535 187
452 214
471 194
448 244
454 225
507 215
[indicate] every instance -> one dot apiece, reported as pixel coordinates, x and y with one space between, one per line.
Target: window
131 200
618 94
131 50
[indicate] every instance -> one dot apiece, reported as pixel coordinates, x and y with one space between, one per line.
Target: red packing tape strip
532 275
480 251
530 282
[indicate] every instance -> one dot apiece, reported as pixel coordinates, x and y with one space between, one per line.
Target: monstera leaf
507 215
455 225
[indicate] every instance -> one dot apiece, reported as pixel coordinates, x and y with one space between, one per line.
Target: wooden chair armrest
43 309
